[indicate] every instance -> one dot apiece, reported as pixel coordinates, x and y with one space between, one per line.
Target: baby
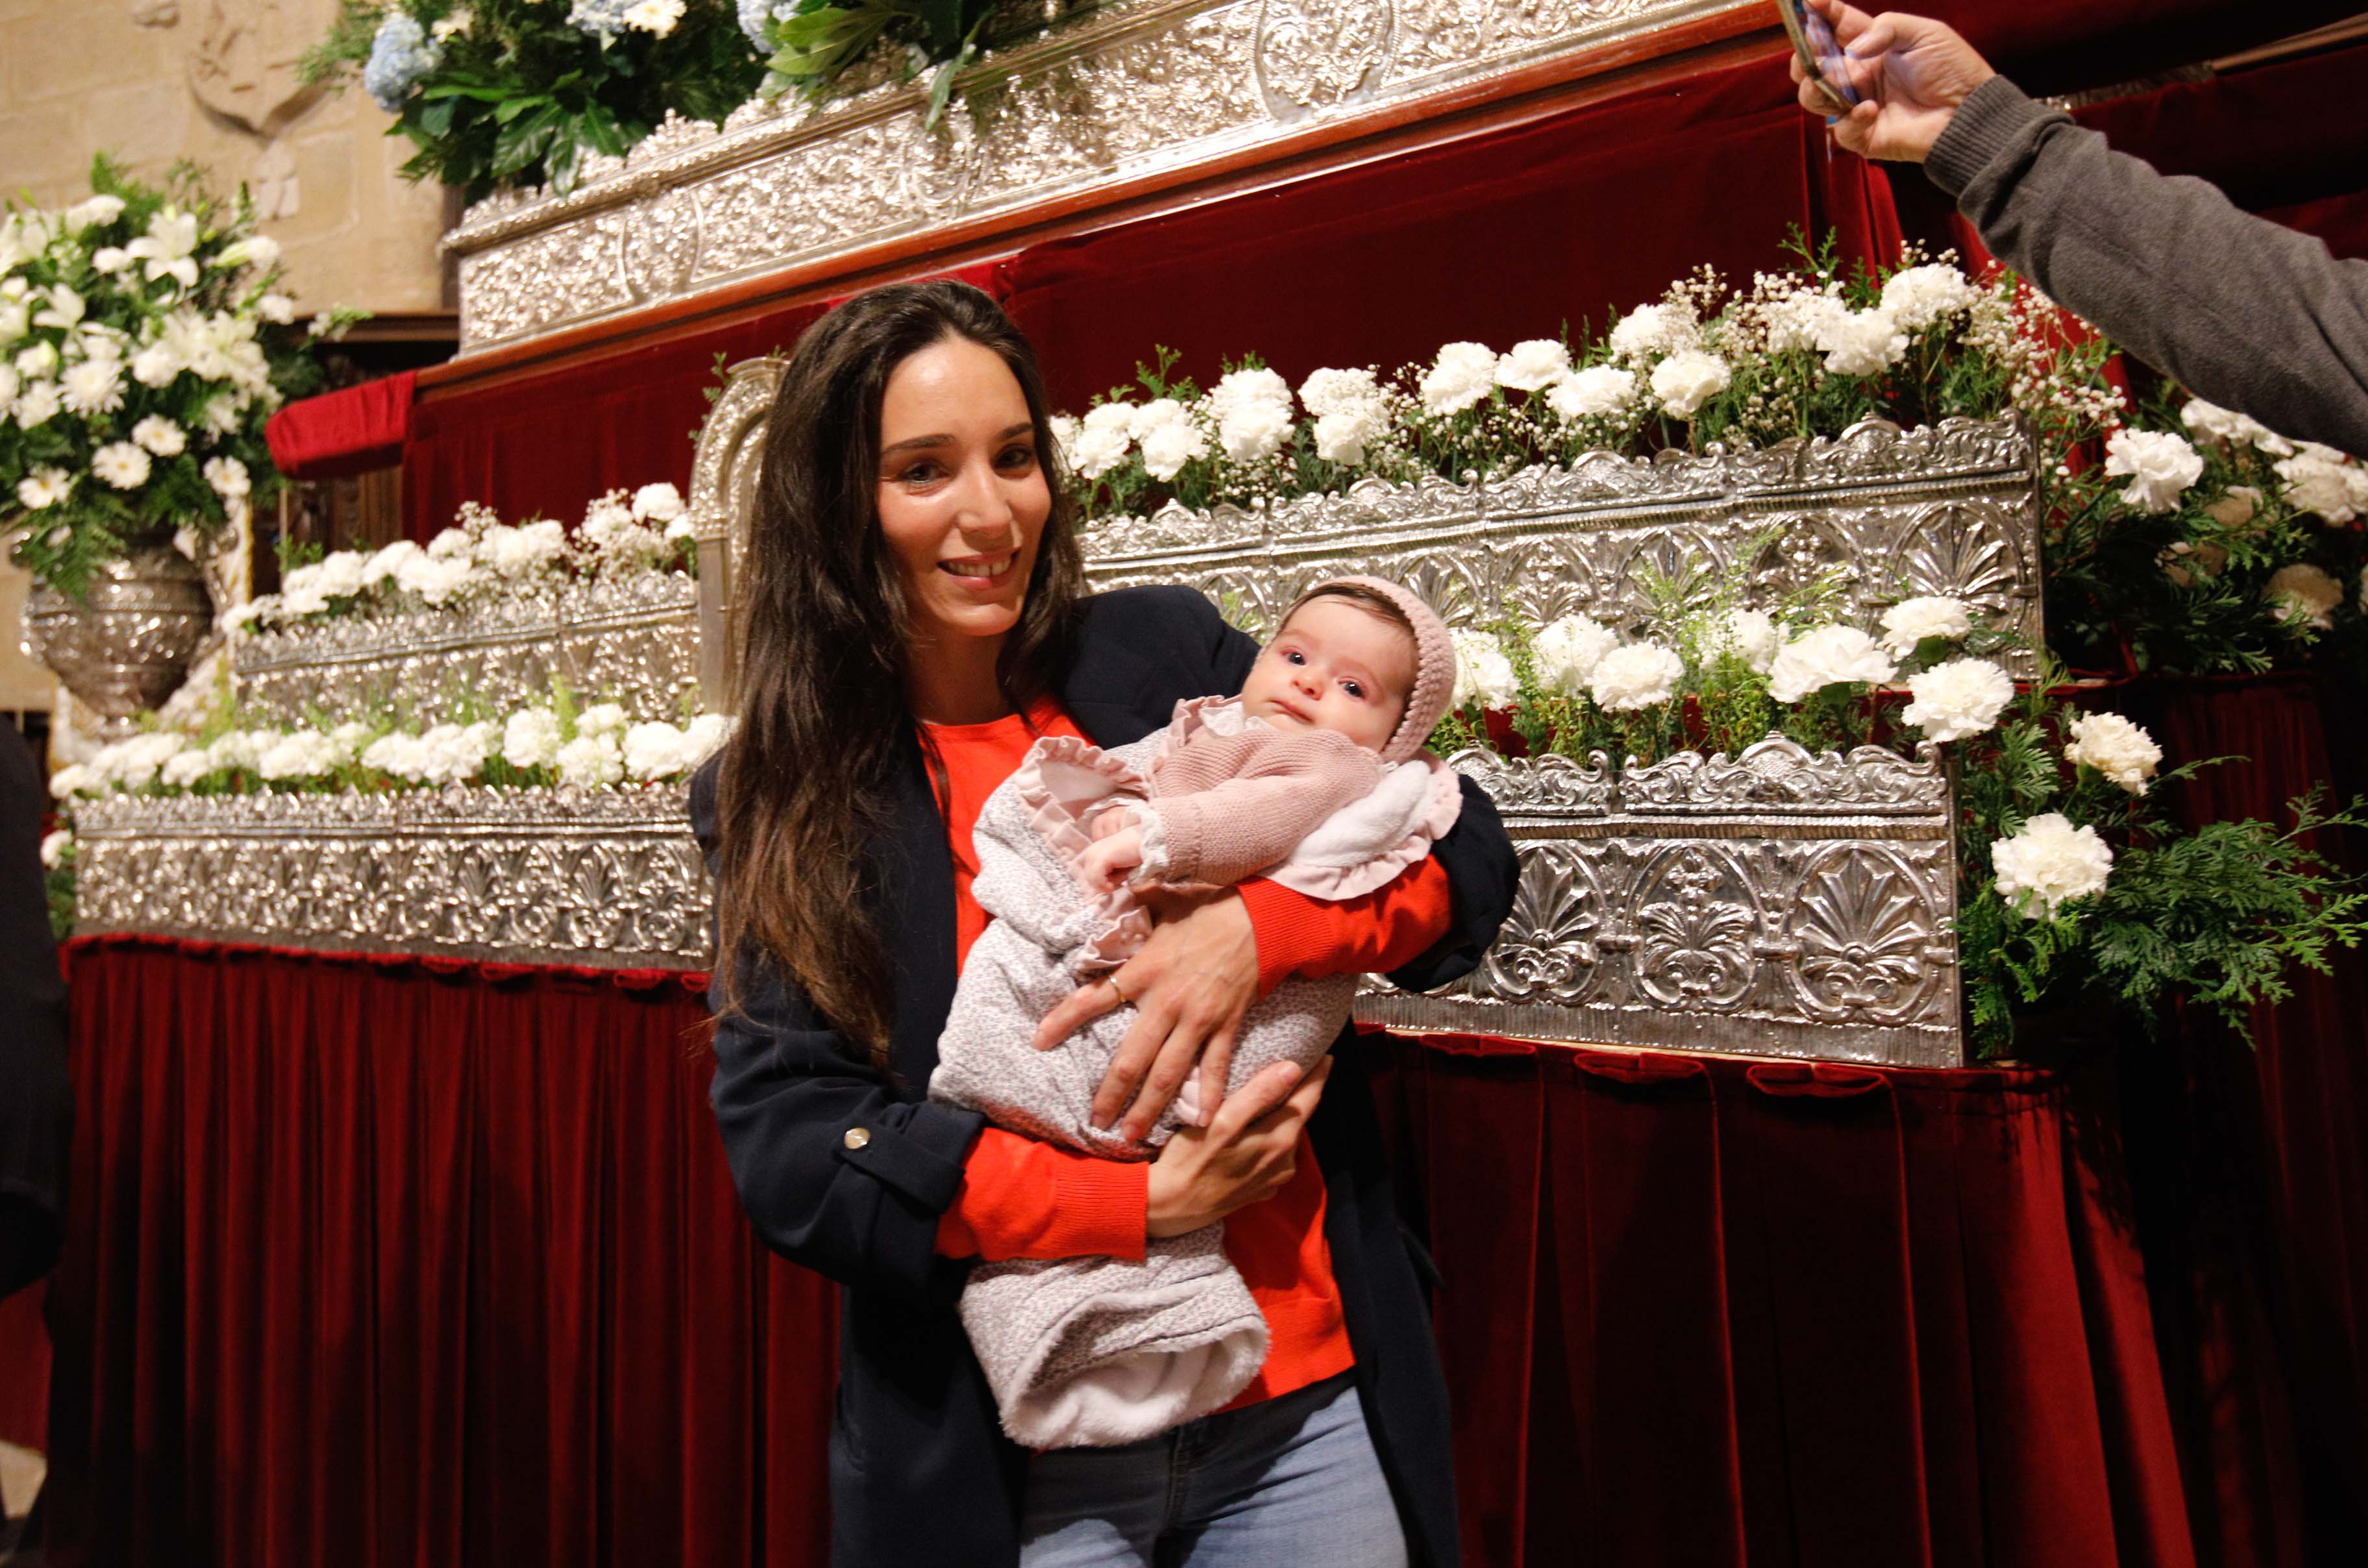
1314 777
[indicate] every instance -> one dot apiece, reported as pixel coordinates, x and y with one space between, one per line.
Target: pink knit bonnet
1434 662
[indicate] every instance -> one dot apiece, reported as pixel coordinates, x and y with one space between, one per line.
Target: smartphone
1821 53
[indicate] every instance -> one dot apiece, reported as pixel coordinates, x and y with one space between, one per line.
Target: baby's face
1334 667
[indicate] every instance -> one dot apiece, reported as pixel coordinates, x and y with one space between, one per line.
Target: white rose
1917 296
1462 375
1533 366
1957 699
1827 655
55 846
1749 634
1861 343
1654 329
591 759
2315 484
660 503
161 436
2160 466
1688 379
1593 392
654 750
228 476
1483 674
2119 750
1635 676
530 738
2049 864
120 464
1567 651
601 719
1910 621
2302 592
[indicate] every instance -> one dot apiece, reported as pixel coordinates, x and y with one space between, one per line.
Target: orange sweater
1025 1198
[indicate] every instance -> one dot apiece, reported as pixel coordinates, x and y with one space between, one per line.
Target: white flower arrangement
2115 748
480 557
1827 655
1957 699
2050 863
135 370
1635 677
2158 465
1906 624
2303 595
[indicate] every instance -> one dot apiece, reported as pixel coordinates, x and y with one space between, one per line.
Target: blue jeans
1288 1482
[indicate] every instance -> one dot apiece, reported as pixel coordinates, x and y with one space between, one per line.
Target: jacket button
857 1137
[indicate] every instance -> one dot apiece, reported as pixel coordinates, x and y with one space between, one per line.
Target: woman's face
963 500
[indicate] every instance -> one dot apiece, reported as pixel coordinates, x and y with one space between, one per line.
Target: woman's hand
1190 986
1248 1151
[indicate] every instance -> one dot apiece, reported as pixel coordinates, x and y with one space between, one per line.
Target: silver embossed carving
1775 903
633 638
126 644
604 877
1127 94
1949 510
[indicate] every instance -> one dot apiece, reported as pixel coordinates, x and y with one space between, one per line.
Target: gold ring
1124 999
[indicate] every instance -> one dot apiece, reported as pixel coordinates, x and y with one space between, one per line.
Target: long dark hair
825 715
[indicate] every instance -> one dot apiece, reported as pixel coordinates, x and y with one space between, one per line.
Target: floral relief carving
1866 942
1694 947
1315 53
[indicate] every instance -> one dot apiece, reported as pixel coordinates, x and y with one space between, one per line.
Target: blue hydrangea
756 14
400 55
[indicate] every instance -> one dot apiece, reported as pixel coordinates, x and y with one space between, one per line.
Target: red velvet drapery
374 1265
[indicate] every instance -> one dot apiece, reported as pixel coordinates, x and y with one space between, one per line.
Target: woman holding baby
915 623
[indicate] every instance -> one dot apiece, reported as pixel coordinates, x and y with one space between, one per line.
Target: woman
914 620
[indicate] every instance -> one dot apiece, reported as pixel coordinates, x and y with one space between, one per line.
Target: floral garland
2162 554
137 368
480 557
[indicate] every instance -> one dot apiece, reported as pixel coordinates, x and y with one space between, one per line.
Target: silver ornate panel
1121 96
1772 904
604 877
635 638
1947 509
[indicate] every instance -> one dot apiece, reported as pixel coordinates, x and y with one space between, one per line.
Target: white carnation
1104 438
2119 750
1340 391
1566 652
2302 592
277 309
1593 392
1533 366
2226 427
302 753
55 846
1795 323
1168 446
1861 343
2315 482
156 364
1910 621
1749 634
389 561
1917 297
402 755
1462 375
1635 676
1483 674
236 749
656 17
659 502
2158 465
92 209
452 544
161 436
76 778
1345 436
591 759
1252 409
120 464
516 552
655 750
706 736
1827 655
1688 379
2049 864
601 719
1654 329
530 738
341 574
1064 430
434 580
185 768
2237 508
1156 414
451 753
133 763
1957 699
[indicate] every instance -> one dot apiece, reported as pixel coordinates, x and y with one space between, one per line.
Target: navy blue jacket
920 1469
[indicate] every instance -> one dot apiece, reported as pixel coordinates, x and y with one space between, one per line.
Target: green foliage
823 38
522 96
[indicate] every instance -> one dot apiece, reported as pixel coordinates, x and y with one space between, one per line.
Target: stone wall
215 81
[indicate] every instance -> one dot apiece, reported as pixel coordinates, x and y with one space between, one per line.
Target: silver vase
126 645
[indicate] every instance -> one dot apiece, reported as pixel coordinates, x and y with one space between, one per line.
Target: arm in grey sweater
2242 311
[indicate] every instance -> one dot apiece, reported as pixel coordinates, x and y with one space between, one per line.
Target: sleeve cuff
1293 930
1991 120
1025 1198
